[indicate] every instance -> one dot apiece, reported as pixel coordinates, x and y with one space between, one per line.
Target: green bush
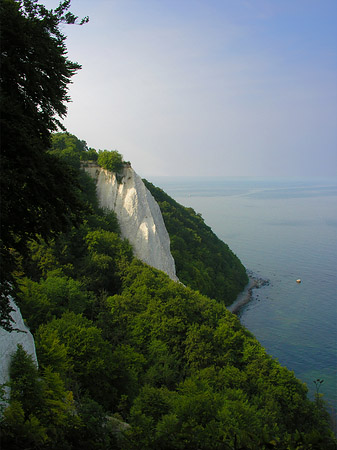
112 161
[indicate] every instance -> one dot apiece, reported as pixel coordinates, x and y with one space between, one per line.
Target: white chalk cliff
138 214
9 342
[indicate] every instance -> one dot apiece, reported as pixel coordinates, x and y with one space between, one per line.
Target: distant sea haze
282 230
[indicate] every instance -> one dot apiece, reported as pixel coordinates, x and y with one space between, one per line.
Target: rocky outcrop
138 214
10 340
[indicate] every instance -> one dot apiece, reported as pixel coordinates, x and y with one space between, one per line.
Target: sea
283 230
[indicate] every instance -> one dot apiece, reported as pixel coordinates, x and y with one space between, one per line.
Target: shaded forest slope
202 260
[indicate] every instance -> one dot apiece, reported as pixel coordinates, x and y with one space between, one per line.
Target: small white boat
298 281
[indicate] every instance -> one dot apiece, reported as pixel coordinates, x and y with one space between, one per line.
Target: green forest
203 261
128 358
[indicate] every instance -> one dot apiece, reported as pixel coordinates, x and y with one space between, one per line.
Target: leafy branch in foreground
39 193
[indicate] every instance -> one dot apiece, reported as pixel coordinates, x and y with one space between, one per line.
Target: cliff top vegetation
73 150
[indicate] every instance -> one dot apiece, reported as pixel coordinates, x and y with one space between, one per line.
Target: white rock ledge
138 214
10 340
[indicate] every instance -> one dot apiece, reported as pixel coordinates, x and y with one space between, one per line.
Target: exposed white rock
10 340
138 214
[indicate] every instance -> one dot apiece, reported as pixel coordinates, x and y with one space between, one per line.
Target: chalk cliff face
9 342
138 214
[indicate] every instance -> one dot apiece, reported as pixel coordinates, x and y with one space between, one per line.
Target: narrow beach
244 297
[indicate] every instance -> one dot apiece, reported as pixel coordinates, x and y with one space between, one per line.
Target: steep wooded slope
202 260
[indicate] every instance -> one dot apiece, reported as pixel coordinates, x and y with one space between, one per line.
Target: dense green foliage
38 191
112 161
129 359
71 149
202 260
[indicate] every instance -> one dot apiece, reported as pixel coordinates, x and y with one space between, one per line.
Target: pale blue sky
208 87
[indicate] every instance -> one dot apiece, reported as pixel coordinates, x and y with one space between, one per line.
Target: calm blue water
281 230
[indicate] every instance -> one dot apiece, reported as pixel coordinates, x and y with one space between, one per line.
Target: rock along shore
246 295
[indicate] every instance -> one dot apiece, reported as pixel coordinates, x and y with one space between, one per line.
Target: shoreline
246 295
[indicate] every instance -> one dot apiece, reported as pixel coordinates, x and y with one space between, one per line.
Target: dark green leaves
39 193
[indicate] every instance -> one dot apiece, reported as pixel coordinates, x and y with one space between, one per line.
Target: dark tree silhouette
39 193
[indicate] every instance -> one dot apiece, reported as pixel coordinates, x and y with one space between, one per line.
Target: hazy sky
208 87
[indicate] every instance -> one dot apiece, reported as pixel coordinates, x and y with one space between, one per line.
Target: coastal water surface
282 230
